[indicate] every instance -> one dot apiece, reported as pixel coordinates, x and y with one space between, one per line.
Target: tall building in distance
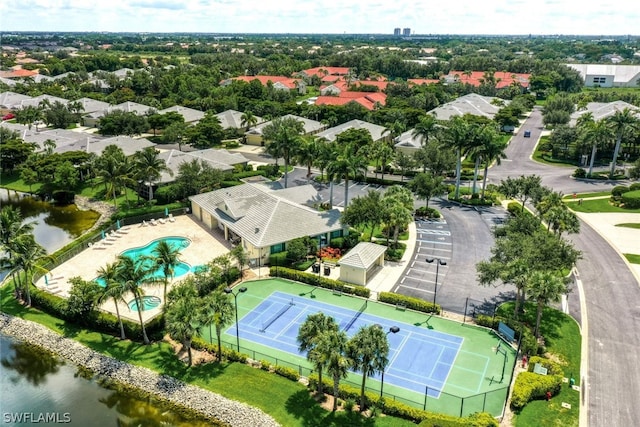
396 32
406 32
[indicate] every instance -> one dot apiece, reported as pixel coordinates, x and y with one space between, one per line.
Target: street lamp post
393 330
438 264
228 290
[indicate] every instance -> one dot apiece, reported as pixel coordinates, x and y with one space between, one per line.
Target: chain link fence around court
446 403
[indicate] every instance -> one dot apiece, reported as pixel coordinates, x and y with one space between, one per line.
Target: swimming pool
148 302
147 251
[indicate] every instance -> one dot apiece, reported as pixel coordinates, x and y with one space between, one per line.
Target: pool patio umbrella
102 232
166 211
46 281
118 224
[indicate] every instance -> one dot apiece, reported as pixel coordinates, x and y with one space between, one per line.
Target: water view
36 386
54 226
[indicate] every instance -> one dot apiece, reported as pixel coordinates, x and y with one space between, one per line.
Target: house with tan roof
233 119
190 115
311 127
472 103
602 110
362 262
377 132
128 145
11 100
263 220
216 158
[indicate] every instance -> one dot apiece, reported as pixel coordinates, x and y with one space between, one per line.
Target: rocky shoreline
207 403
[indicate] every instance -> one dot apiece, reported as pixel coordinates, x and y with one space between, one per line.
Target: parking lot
434 243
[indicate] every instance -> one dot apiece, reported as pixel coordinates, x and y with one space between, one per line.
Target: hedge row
100 322
199 344
528 343
400 410
530 386
322 282
409 302
234 356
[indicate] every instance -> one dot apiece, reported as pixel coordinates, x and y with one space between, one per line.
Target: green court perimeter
473 383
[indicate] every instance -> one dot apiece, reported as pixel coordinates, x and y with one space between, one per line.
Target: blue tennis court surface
419 359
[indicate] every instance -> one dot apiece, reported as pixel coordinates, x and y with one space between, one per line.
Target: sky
570 17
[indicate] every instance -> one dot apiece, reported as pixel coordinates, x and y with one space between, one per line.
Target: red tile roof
332 71
477 77
423 81
17 73
367 99
287 81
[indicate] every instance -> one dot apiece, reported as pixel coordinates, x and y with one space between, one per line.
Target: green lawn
599 205
545 158
563 341
635 225
570 198
288 402
633 258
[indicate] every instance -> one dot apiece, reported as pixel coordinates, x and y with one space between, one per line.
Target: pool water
179 270
148 302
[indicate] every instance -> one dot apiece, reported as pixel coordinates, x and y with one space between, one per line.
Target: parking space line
433 241
433 249
416 289
439 256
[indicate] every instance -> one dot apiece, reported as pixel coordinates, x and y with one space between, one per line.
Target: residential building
263 220
396 32
279 82
129 145
233 119
11 100
407 143
608 75
216 158
602 110
191 116
311 127
476 78
377 132
406 32
369 100
472 103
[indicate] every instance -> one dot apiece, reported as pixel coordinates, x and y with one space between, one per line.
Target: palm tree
597 134
28 256
219 311
12 227
284 136
345 165
308 152
308 339
111 169
368 351
113 289
133 274
492 150
545 287
183 317
456 135
425 128
620 122
166 256
149 167
334 344
248 119
28 115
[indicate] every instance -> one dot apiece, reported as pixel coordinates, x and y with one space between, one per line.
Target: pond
54 226
38 387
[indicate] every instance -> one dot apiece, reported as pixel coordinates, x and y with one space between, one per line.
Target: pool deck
205 246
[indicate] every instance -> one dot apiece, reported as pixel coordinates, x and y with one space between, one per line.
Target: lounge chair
143 224
171 218
153 222
162 221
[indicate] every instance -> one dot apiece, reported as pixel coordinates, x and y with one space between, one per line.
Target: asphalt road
611 294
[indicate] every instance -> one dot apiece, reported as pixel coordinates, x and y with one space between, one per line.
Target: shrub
619 190
530 386
553 368
424 211
289 373
397 409
631 199
323 282
579 173
409 302
635 186
337 242
265 365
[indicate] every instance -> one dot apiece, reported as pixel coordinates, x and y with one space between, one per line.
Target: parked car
527 133
8 116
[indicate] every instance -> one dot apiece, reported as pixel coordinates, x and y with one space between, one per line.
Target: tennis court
434 363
